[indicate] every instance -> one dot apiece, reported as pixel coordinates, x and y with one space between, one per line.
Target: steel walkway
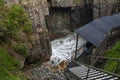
85 72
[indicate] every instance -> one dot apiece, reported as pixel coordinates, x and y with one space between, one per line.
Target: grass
14 25
8 66
12 20
111 65
21 49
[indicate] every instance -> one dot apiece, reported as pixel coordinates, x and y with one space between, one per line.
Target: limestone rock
40 48
57 18
65 3
66 18
103 8
37 10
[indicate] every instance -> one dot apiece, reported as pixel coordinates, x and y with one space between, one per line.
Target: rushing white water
64 48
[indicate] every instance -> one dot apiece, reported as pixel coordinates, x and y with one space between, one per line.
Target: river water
64 48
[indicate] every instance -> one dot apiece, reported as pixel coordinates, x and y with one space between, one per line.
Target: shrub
110 65
12 20
3 13
17 19
7 66
21 49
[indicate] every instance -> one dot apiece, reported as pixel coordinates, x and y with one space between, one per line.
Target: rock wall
58 22
56 18
103 7
65 16
37 10
40 49
65 3
82 14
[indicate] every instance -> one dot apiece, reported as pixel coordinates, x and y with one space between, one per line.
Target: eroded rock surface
103 7
67 15
40 49
37 10
56 18
65 3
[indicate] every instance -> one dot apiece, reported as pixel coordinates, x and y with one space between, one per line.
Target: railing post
76 47
118 62
87 73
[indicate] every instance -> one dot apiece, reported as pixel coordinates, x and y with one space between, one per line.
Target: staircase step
94 74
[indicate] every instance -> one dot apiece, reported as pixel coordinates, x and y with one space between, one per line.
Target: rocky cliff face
56 18
40 48
65 3
41 45
66 16
103 7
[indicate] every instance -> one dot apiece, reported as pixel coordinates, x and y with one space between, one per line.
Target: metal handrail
117 59
98 69
99 49
105 57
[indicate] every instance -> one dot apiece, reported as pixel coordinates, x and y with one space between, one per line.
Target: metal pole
99 8
76 47
87 74
110 58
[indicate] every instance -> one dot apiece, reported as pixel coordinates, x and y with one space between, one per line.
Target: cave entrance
59 22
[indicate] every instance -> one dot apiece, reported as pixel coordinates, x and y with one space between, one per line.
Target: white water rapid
64 48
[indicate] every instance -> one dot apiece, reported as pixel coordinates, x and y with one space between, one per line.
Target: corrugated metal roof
97 30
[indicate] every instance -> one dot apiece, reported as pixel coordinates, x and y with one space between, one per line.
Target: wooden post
76 47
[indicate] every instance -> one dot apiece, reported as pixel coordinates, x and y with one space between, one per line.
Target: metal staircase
85 72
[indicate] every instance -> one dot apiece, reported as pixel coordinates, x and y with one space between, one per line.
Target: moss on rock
9 69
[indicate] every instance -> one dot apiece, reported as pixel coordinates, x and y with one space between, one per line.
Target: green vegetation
14 24
21 49
78 1
8 66
3 13
111 65
17 19
13 20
